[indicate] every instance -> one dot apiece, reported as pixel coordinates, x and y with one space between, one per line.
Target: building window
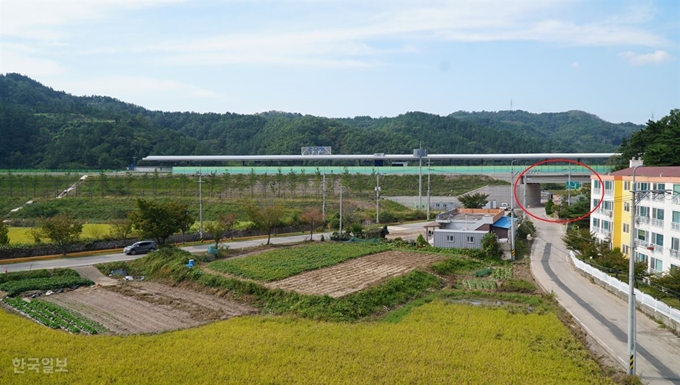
642 235
640 257
657 213
596 184
675 244
449 238
642 211
626 206
657 239
470 239
643 186
596 223
608 205
626 185
676 189
657 265
626 249
626 227
606 225
660 186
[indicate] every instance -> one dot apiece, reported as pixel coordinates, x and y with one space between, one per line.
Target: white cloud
21 60
638 59
574 64
43 19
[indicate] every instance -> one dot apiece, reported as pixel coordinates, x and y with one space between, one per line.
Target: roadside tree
62 229
265 217
121 228
219 228
313 218
4 233
158 220
474 201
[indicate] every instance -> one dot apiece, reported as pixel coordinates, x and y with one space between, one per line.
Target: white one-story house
465 228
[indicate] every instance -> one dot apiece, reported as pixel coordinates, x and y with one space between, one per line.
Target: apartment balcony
675 226
608 213
641 243
675 254
642 220
657 222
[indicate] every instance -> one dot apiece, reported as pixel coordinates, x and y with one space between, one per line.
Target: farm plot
355 275
148 307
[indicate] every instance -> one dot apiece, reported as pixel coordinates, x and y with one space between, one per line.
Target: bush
455 265
518 285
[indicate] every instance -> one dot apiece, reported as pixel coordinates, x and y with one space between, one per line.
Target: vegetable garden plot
355 275
147 307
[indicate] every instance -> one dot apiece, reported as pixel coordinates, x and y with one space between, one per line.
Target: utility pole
200 205
420 180
323 188
512 210
377 198
428 188
636 195
569 187
631 281
340 231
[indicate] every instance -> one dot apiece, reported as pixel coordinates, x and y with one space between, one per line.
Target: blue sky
619 60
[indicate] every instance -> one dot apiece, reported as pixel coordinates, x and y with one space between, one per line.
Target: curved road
603 315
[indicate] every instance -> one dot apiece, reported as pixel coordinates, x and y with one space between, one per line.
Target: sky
617 59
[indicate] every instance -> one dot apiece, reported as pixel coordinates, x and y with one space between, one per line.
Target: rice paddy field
19 235
437 343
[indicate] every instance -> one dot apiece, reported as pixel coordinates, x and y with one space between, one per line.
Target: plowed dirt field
355 275
147 307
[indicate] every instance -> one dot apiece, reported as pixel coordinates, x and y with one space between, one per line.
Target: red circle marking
555 161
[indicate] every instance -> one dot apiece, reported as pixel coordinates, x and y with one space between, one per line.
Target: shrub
518 285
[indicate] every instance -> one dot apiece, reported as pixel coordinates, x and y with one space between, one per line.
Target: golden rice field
437 343
19 235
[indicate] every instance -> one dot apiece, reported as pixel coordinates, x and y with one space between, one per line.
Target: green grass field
282 263
437 343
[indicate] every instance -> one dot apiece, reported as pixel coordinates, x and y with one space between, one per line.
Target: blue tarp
503 223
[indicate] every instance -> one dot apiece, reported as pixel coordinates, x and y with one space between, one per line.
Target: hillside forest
54 130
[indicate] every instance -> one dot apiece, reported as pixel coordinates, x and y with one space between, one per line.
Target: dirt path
90 272
148 307
355 275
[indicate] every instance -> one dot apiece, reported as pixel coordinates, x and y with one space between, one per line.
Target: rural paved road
84 261
604 315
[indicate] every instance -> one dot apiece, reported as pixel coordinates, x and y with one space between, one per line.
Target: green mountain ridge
52 129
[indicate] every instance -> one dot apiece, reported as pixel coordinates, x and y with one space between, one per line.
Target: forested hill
44 128
565 130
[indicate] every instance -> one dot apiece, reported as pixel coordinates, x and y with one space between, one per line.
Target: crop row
56 282
477 284
282 263
502 273
55 316
42 273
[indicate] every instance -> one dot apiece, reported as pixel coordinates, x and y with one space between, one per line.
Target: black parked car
140 247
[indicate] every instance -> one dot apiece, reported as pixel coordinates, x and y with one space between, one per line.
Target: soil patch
148 307
355 275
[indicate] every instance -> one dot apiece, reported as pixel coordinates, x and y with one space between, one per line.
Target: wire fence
641 298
